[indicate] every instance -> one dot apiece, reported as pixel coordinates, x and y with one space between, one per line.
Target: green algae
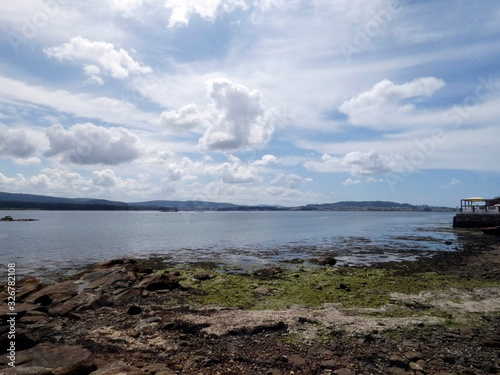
352 287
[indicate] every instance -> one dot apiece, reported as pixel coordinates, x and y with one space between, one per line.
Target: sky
251 101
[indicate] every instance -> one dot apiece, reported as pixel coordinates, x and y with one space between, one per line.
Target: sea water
62 242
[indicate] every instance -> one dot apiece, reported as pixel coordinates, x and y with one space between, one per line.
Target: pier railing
483 210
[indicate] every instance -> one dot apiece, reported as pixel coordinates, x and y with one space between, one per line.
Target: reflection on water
62 242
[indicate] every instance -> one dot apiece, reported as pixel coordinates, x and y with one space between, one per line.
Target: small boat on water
492 230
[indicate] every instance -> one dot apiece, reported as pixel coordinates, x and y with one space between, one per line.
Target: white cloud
380 107
186 118
183 10
82 105
239 120
93 72
16 144
350 181
235 172
91 144
291 181
360 164
126 6
105 178
117 63
186 169
455 181
266 160
63 182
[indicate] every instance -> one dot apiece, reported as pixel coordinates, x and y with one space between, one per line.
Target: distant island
11 201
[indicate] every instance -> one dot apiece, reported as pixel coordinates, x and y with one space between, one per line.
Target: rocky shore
438 315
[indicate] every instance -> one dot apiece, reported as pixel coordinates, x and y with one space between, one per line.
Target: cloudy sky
251 101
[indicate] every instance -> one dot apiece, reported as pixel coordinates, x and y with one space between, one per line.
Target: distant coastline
11 201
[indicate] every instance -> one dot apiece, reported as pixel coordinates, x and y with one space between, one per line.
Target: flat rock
35 370
261 290
107 280
118 368
81 302
62 360
160 282
30 285
296 360
60 291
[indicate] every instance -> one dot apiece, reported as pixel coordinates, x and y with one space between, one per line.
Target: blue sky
251 101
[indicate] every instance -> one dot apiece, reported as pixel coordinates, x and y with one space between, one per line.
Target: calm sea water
63 241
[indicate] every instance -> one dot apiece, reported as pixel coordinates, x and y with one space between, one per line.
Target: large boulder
160 282
61 360
56 292
30 286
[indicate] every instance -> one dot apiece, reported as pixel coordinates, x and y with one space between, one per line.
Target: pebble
416 367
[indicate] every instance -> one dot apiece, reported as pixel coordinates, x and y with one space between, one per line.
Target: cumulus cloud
186 169
360 164
16 144
126 6
266 160
235 172
239 119
91 144
61 181
186 118
183 10
105 178
93 72
381 104
291 181
116 62
350 181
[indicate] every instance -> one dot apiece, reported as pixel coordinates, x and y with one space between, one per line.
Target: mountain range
43 202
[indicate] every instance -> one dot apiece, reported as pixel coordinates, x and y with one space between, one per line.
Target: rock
326 261
21 309
397 371
127 295
115 262
268 272
343 371
160 282
416 367
60 291
261 290
62 360
115 276
330 363
83 301
204 276
34 317
491 343
35 370
118 368
413 356
30 285
24 340
296 360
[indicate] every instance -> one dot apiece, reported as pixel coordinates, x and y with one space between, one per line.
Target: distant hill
42 202
186 205
371 206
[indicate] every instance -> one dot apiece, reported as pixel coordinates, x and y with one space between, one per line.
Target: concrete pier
476 220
